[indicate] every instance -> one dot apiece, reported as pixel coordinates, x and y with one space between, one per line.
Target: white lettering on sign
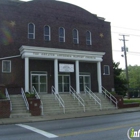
64 55
48 54
35 53
78 56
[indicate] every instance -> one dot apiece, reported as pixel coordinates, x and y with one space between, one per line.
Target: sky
124 18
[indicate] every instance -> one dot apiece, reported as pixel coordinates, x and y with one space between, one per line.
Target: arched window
61 34
31 31
88 38
47 33
75 36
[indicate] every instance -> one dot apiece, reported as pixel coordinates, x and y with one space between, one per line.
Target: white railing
8 97
110 96
24 98
77 96
38 97
93 96
59 98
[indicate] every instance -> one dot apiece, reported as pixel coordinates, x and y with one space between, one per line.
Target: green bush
29 95
2 96
113 92
131 101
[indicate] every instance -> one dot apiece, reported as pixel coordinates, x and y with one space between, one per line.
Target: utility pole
125 56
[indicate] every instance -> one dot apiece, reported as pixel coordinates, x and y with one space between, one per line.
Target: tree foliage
134 76
119 81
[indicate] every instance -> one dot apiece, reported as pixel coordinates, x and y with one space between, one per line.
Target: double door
63 83
84 81
39 81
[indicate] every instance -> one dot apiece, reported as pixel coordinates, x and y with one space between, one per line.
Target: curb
6 121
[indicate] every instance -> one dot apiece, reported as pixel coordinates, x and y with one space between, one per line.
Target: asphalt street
105 127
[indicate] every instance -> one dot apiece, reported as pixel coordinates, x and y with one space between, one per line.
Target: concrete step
19 115
90 103
51 106
18 107
20 111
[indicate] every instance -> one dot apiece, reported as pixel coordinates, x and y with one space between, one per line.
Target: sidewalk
66 116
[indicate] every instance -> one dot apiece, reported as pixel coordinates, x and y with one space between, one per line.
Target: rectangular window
106 70
6 66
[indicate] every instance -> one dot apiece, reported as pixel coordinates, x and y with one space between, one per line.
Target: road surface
106 127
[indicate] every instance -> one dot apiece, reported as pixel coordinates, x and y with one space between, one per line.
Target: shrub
29 95
113 92
2 96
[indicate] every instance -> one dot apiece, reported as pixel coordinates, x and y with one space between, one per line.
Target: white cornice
62 54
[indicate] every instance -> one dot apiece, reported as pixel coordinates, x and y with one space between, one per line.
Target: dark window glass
88 38
6 66
75 36
106 70
47 33
31 31
61 34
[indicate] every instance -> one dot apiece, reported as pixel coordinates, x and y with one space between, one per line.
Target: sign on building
66 68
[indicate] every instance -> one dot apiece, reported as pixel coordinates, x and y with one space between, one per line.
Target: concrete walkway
66 116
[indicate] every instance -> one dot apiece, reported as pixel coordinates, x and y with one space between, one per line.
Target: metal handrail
38 97
24 98
59 98
77 96
8 97
93 96
110 96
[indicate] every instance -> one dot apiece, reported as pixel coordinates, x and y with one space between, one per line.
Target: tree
134 80
119 82
134 76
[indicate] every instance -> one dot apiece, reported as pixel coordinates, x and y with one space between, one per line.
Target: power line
126 28
123 33
127 52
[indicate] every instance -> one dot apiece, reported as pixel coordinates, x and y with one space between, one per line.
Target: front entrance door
64 83
39 81
84 81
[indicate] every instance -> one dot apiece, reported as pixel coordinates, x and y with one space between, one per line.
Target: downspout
10 57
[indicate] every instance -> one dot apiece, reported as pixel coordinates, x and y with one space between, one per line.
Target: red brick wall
34 107
4 108
55 14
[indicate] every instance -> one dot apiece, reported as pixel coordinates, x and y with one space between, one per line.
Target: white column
77 76
26 74
56 75
99 77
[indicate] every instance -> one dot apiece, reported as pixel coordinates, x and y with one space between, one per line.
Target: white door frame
39 74
63 75
85 75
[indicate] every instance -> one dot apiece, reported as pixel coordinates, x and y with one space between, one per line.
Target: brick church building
48 42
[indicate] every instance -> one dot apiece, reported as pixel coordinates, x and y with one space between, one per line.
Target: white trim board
61 54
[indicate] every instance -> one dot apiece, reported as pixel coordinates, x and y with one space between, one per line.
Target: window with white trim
6 66
47 33
106 70
75 36
31 31
88 38
61 34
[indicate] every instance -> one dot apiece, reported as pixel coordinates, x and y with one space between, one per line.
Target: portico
76 56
